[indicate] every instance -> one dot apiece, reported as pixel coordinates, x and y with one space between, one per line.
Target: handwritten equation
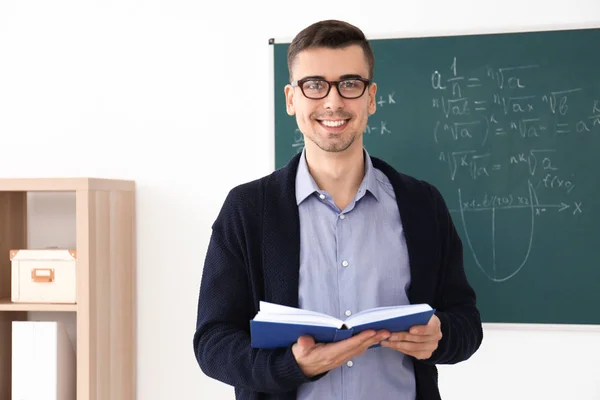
497 124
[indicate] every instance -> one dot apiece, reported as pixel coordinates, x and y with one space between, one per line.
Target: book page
383 313
272 308
270 312
299 319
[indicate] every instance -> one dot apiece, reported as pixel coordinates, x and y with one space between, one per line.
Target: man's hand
316 358
420 341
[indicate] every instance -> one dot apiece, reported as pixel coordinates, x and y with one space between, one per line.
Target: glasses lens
351 88
315 89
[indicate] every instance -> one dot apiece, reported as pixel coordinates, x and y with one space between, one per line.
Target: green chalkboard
507 127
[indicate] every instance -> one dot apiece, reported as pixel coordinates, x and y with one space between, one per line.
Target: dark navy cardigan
254 254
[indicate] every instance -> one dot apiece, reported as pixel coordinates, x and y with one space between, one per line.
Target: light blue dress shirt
352 260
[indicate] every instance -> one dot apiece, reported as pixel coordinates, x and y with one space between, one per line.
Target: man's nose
333 101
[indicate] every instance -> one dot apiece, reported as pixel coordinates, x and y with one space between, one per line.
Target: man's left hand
420 341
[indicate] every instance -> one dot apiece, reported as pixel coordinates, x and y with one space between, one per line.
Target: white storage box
43 276
43 362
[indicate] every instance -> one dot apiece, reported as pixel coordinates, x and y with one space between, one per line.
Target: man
335 231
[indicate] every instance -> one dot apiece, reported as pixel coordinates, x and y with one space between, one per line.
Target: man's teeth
333 124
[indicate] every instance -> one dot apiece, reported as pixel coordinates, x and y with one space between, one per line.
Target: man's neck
339 174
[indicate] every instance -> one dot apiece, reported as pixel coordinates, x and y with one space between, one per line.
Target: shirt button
348 313
344 263
342 216
322 196
349 363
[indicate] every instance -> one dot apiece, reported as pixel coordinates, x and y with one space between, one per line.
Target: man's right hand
317 358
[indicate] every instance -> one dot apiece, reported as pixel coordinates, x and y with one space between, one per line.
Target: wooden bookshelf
106 281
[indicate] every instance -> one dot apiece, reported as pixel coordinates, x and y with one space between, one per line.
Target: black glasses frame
300 84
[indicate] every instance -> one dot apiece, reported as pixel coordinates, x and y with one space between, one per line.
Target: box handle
39 275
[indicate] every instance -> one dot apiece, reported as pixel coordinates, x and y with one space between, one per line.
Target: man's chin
334 146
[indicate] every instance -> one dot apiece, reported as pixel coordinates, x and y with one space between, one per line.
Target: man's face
333 123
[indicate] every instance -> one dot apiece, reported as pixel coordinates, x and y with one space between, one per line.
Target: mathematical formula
498 125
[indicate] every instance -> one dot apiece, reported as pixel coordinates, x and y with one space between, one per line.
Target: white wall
121 89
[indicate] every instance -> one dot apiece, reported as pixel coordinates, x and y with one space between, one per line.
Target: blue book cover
281 326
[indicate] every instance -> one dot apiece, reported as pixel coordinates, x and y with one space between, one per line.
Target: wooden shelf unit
106 281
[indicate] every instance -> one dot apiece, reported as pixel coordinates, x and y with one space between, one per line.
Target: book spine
341 334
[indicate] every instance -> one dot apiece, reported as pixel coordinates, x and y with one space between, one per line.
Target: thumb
306 342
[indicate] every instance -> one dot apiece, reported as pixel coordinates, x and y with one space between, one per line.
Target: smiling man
335 231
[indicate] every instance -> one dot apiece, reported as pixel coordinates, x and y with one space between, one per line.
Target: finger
425 332
384 332
423 329
411 347
358 340
358 344
347 345
407 337
377 339
304 345
407 345
420 355
380 336
306 341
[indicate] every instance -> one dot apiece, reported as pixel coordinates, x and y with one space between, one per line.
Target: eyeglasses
316 89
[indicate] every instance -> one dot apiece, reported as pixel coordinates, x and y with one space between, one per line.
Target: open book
281 326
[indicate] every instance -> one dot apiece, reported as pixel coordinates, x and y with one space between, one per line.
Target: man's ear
289 100
372 107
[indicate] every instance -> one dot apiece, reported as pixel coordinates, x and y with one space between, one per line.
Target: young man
335 231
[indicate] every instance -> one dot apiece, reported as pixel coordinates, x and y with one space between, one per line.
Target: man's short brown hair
331 34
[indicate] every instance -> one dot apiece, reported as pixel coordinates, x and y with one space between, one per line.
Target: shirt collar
306 185
369 182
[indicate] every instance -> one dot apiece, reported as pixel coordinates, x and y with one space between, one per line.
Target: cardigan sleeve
462 333
225 306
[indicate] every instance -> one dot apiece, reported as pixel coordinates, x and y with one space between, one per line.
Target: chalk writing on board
389 99
494 273
376 126
373 128
503 108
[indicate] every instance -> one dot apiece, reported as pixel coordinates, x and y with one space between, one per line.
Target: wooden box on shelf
105 306
44 276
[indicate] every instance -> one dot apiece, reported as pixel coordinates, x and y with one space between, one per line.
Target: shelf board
7 305
63 184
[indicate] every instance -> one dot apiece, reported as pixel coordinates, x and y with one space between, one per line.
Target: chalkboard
507 127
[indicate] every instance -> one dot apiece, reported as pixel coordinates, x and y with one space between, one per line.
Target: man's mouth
338 123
